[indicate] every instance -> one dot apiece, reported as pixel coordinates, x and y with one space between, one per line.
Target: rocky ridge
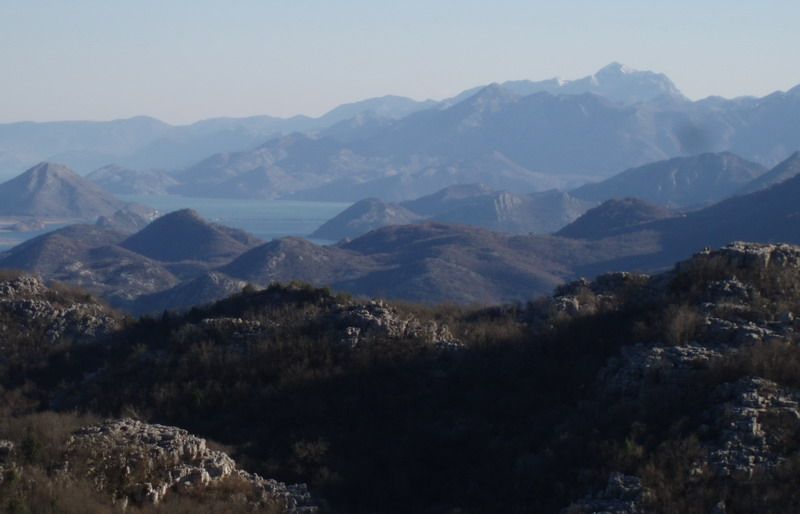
377 319
752 414
145 462
29 307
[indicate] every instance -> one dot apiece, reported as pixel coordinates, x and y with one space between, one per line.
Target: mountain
767 216
424 174
554 134
679 182
84 145
784 171
201 290
564 134
522 144
534 213
615 81
277 167
292 258
147 143
516 136
432 262
385 107
168 261
426 262
123 181
184 236
49 252
613 216
362 217
54 191
446 199
473 204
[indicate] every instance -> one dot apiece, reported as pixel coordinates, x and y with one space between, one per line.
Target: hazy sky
183 60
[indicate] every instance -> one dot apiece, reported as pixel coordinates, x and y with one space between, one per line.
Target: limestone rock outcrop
377 319
28 306
753 416
146 462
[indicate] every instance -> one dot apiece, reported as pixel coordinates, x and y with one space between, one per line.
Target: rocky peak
45 170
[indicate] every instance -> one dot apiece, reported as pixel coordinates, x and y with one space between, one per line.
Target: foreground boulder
145 463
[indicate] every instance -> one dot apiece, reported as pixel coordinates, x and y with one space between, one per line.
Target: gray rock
146 462
747 256
377 319
26 301
748 412
236 327
640 364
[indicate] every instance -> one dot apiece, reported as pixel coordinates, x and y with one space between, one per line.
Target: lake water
266 219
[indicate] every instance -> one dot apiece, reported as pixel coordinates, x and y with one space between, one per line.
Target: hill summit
50 190
183 235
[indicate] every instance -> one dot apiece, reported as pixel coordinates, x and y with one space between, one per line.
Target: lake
266 219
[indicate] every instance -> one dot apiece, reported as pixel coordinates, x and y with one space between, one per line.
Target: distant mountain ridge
770 215
612 217
520 135
615 81
678 182
523 143
362 217
785 170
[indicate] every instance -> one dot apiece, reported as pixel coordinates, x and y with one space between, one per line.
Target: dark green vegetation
530 414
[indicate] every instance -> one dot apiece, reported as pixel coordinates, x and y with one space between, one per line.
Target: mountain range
780 173
170 261
644 193
612 217
522 143
519 136
144 142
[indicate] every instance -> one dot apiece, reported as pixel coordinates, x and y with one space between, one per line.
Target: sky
185 60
